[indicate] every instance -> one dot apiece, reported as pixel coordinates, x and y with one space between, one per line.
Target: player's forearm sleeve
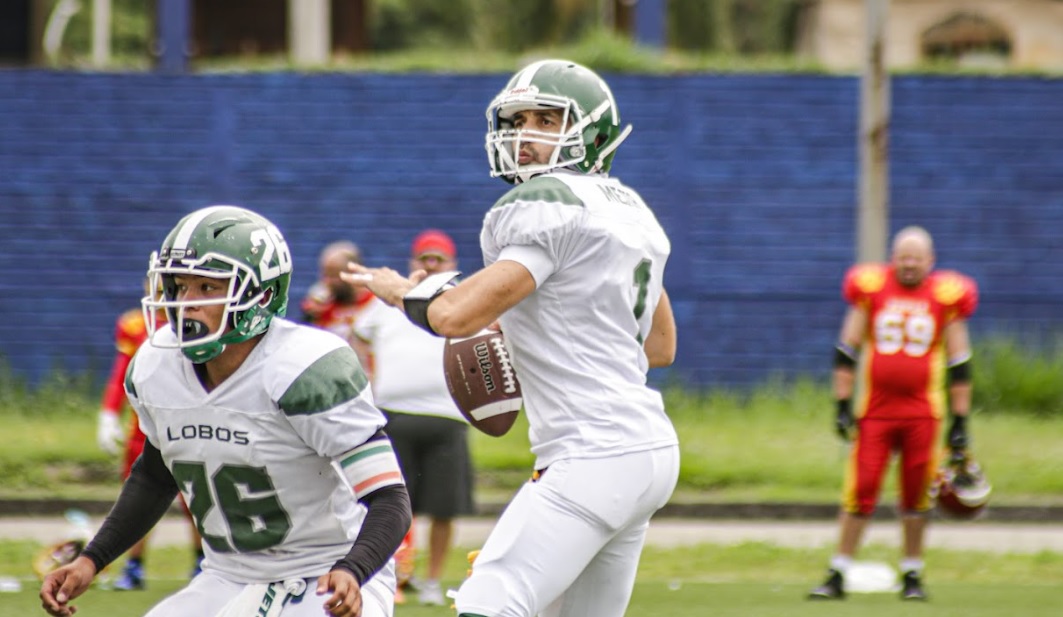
385 524
145 497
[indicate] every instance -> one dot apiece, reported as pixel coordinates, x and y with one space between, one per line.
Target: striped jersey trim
371 466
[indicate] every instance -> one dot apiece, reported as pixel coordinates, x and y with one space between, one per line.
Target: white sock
841 563
910 564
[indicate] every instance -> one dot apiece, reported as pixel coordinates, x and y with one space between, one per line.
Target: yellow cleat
471 557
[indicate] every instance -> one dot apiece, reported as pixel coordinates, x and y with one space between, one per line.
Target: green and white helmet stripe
590 120
227 243
188 225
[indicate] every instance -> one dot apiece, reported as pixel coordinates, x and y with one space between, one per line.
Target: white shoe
431 594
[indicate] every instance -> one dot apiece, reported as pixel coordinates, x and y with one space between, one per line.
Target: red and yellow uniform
321 310
902 379
130 333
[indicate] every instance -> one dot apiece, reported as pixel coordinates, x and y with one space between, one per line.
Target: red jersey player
332 303
905 352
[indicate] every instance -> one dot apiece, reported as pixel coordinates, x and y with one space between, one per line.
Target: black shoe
912 587
831 589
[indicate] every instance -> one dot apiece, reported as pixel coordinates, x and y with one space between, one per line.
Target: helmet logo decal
272 242
523 91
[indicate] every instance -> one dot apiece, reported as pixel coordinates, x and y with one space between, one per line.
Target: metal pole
650 22
872 215
309 32
174 32
101 33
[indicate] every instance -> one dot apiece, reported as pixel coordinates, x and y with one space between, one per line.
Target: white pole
101 33
873 211
309 34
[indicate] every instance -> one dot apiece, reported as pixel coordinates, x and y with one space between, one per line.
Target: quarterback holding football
574 269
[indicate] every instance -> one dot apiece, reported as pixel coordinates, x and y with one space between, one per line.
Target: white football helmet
961 488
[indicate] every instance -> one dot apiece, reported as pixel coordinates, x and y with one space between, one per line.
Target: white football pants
568 545
207 594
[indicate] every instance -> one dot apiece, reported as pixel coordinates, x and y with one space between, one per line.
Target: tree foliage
512 26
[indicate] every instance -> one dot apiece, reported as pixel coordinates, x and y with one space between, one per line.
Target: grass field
749 580
773 445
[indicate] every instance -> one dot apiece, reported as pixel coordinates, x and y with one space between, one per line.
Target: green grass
749 580
776 444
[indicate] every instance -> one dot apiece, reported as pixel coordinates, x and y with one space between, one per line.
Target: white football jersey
597 254
407 363
253 457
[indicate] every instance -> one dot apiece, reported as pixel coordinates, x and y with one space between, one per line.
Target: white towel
263 599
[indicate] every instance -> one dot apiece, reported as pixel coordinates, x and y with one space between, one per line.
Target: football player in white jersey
266 427
574 262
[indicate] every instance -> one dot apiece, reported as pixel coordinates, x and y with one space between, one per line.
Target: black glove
844 422
958 439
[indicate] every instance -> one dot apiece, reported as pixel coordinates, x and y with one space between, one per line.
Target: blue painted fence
754 177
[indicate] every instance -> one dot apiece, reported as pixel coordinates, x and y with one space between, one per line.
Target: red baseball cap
433 242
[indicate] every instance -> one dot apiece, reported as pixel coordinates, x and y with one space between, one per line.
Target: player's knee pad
486 594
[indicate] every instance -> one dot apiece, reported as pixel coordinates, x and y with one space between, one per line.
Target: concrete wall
754 178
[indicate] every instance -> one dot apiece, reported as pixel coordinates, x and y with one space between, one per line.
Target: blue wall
754 177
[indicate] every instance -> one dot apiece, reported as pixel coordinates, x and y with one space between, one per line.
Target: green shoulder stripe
541 189
334 378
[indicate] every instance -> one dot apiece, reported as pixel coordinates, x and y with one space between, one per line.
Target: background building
1013 34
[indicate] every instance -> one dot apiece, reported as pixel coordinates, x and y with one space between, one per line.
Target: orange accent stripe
377 479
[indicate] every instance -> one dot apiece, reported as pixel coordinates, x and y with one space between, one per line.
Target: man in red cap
428 431
433 251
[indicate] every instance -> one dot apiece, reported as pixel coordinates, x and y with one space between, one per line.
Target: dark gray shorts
434 455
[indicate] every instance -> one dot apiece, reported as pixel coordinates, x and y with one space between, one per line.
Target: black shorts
434 455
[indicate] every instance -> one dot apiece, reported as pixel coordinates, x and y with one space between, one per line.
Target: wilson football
482 382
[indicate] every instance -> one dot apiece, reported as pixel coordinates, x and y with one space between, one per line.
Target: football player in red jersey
904 351
332 303
130 333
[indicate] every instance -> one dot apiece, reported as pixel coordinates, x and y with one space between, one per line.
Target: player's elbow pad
960 370
844 356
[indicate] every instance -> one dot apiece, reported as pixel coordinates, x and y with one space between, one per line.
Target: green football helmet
226 243
590 122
